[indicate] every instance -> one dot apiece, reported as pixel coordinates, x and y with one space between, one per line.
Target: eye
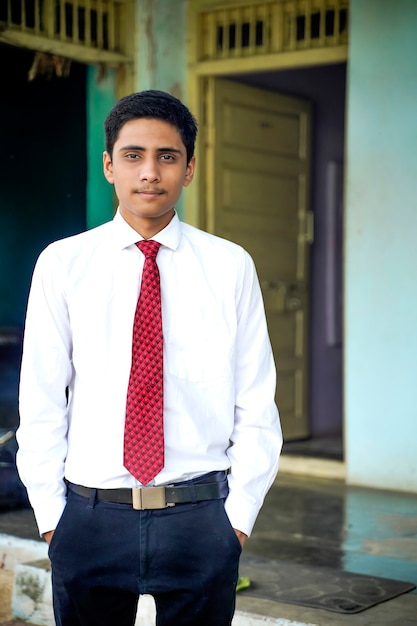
167 157
131 155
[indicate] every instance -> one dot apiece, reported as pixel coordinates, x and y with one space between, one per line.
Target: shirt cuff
48 514
241 513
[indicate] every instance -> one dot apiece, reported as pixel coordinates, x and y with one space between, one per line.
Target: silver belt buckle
149 498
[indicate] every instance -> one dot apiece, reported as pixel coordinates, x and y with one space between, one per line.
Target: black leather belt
164 496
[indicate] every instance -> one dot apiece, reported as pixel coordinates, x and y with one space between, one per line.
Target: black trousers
104 555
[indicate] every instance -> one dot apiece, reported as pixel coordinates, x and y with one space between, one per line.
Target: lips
150 192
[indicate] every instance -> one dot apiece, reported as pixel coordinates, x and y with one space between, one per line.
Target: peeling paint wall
162 45
381 248
161 48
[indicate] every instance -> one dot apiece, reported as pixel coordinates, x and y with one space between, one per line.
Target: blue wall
380 246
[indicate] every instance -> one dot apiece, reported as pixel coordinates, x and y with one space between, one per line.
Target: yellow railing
257 28
86 30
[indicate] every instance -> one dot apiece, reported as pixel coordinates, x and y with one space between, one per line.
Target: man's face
148 169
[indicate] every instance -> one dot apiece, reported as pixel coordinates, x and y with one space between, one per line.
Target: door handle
293 303
281 296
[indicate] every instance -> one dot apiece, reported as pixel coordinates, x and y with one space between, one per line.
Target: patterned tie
144 427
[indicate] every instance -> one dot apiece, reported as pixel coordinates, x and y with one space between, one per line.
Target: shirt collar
126 236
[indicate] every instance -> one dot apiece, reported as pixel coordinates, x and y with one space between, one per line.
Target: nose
149 170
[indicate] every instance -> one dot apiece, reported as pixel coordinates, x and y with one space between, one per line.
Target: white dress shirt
219 374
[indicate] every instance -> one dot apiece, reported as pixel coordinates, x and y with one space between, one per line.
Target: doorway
324 87
257 180
42 170
43 166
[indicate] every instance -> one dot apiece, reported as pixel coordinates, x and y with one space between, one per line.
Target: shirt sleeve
45 376
256 440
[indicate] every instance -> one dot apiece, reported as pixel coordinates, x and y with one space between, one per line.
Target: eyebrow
142 149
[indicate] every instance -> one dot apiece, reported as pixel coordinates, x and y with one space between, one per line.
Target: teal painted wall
100 99
162 40
380 246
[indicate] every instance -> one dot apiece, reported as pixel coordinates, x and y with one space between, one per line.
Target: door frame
324 52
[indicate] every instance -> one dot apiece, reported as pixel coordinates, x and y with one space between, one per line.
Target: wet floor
324 522
317 522
304 519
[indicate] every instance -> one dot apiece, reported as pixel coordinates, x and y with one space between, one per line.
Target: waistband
211 486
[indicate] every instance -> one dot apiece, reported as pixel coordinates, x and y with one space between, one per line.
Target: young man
197 411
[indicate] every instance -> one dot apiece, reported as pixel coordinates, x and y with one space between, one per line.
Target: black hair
151 104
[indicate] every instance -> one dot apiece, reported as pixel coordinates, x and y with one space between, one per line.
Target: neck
147 227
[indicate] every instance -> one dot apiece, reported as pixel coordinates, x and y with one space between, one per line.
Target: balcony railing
260 28
84 30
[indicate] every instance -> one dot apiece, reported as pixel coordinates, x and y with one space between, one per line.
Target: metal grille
86 30
271 27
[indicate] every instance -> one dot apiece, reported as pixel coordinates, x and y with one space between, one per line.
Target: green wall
100 99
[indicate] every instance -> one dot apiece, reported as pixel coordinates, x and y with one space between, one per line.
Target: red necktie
144 428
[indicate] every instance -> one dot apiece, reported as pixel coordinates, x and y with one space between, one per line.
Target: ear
108 167
189 172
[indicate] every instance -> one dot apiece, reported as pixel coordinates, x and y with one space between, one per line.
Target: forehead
149 133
